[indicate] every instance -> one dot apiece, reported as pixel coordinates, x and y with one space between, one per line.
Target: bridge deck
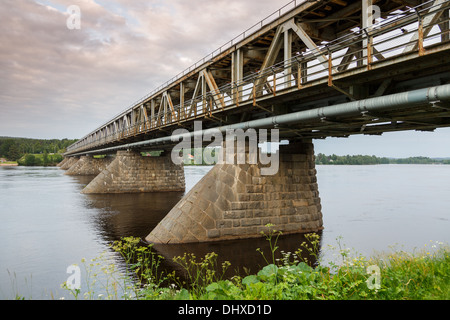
317 54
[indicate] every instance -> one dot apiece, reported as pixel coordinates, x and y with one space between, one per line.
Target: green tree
57 158
45 160
5 146
14 153
30 160
322 159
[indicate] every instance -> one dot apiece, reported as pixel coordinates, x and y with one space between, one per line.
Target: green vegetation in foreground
402 276
370 160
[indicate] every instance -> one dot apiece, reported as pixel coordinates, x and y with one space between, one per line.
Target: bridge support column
235 201
62 162
132 173
69 163
87 166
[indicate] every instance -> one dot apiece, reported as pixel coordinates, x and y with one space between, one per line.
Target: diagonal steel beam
429 20
291 24
193 104
214 89
269 60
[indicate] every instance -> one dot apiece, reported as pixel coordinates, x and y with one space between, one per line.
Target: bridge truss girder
295 63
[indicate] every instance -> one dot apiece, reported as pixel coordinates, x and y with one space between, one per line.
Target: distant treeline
14 149
365 160
40 160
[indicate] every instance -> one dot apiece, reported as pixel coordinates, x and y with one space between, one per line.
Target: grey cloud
74 80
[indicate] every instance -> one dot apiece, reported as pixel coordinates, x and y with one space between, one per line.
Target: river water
46 225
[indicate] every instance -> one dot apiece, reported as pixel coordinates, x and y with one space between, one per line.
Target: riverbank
399 275
323 159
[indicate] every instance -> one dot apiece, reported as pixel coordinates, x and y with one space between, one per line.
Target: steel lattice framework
307 55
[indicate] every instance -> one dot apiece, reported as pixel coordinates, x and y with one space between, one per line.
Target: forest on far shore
366 160
33 152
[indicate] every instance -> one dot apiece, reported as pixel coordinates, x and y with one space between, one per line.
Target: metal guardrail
384 41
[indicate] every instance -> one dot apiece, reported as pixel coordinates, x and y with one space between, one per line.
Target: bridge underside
321 69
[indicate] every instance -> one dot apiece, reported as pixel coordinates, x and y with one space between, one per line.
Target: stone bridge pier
67 163
130 172
88 165
236 201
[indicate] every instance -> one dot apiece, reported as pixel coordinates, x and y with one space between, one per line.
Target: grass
422 275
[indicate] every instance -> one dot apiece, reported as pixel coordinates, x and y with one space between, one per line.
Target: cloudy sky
62 83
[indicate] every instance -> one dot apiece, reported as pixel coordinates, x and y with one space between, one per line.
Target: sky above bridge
61 83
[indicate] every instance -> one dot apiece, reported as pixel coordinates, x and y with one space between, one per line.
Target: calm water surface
46 224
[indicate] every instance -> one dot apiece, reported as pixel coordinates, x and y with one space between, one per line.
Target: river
46 224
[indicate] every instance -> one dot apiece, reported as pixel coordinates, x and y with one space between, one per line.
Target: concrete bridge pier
236 201
130 172
88 165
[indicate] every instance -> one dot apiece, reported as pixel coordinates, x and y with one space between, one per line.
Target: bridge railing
414 31
253 29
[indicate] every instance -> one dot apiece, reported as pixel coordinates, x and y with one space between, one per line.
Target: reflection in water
130 214
242 254
123 215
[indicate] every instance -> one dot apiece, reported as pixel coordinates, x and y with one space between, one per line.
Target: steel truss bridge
313 69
